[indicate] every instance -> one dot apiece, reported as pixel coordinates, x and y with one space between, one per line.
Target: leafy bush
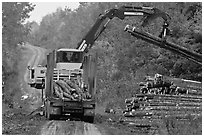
13 35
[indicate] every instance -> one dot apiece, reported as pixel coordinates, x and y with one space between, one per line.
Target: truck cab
37 76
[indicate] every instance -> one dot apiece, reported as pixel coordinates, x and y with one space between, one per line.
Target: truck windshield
69 57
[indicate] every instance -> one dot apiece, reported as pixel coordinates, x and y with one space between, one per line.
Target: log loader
66 65
62 67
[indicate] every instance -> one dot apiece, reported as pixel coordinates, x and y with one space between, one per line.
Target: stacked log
70 90
161 87
134 104
161 104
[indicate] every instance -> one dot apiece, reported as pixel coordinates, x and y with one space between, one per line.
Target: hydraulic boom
148 13
161 42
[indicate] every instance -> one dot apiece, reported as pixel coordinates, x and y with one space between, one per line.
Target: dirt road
69 128
31 95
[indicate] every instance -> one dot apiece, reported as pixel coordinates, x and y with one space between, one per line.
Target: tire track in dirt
58 128
90 129
69 128
53 128
79 128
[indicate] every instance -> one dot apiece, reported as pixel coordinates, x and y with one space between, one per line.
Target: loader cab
68 64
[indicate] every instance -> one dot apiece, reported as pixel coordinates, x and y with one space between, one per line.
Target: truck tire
89 119
35 85
32 85
47 110
46 113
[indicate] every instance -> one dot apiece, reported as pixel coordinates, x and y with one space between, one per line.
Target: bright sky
43 8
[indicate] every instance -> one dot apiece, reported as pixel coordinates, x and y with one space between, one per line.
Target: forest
14 34
123 60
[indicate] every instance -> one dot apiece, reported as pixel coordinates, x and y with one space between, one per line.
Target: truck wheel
46 110
47 113
32 85
42 86
89 119
35 85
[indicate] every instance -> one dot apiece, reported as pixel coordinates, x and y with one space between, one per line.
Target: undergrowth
192 125
112 92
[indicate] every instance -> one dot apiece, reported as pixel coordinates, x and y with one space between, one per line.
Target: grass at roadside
12 91
15 110
17 123
109 124
189 126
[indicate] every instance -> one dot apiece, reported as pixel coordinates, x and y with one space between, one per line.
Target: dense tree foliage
123 59
13 34
13 31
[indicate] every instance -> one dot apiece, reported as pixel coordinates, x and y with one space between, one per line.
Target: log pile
159 101
159 104
134 105
158 85
70 90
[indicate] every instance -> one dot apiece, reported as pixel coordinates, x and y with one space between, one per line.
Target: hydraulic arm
148 13
161 42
